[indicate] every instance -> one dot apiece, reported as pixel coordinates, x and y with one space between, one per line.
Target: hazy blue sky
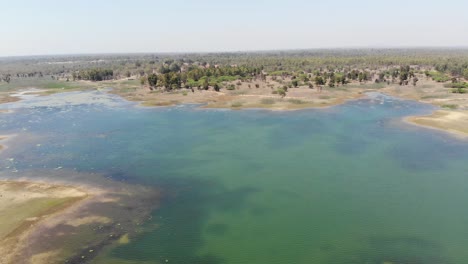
94 26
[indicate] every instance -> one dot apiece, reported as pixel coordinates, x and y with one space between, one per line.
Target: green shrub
450 106
231 87
438 76
456 85
279 73
459 90
226 79
281 91
294 83
434 96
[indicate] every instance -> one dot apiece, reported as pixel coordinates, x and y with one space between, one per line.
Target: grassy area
236 104
19 213
131 83
438 76
31 203
366 85
449 106
279 73
296 101
42 83
238 92
427 86
434 96
268 101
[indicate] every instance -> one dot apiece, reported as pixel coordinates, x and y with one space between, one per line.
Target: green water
348 184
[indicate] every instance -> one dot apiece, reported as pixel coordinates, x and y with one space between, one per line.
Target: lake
346 184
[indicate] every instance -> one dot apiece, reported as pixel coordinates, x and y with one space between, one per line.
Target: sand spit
453 122
7 98
4 141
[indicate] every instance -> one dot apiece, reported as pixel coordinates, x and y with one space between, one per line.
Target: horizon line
461 47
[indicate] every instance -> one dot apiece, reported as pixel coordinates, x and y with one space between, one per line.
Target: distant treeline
93 74
174 76
452 62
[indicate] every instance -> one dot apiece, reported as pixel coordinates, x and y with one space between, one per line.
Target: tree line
175 76
448 62
93 74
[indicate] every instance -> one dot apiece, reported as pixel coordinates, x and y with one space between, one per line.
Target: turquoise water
348 184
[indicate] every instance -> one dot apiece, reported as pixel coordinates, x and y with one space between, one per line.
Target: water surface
347 184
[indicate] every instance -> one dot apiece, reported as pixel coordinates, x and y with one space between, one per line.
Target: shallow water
347 184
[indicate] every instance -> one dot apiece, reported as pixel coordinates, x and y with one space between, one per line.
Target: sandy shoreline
303 98
247 97
454 123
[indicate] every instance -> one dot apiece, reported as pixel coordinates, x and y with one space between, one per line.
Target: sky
43 27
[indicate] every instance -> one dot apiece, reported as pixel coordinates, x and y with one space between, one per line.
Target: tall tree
153 80
319 80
